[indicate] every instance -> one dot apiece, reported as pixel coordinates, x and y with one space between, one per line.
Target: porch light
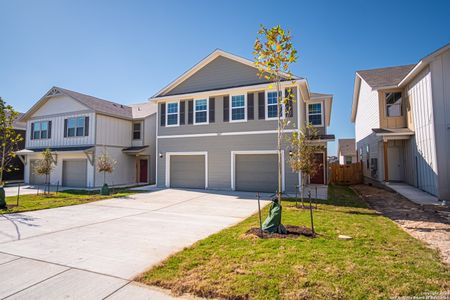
161 155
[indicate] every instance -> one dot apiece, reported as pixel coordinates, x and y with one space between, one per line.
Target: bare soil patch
427 223
292 232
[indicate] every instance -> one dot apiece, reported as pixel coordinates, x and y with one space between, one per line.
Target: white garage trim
233 164
168 154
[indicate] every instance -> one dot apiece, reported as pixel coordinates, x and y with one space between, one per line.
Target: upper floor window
172 114
76 126
201 111
348 160
41 130
394 104
238 108
137 131
315 114
272 105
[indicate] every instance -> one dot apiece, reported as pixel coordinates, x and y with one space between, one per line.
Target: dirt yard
427 223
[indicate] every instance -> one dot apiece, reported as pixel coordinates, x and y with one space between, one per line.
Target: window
201 111
367 156
394 104
272 105
238 108
40 130
76 126
137 131
360 153
172 114
315 114
348 160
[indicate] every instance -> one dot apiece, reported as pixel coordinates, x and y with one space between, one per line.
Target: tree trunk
279 137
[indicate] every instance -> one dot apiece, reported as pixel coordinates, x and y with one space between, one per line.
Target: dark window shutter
65 127
261 105
49 129
289 107
226 108
86 126
250 106
162 114
212 110
32 131
190 111
182 112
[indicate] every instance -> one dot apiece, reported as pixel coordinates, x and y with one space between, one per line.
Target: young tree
302 155
274 52
44 167
105 164
9 143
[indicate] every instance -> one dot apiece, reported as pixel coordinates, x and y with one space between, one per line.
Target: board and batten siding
422 151
113 131
59 105
57 132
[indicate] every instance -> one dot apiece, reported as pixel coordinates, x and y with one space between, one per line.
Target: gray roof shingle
100 105
385 77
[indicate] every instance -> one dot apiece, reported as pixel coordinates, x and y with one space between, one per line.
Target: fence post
259 213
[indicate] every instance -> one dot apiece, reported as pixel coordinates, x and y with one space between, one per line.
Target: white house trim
322 113
178 113
255 132
168 154
233 164
223 134
231 108
266 104
207 111
186 135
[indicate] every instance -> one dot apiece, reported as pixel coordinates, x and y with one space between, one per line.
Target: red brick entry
318 177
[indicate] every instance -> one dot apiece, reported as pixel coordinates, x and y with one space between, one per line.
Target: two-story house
347 151
402 123
78 127
217 127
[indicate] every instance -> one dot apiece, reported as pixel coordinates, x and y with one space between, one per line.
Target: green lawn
381 261
65 198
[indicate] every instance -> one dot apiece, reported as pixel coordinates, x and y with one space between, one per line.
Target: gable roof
96 104
385 77
391 77
346 146
200 65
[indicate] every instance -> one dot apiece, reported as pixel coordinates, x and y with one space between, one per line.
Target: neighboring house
78 127
402 123
347 151
18 173
217 127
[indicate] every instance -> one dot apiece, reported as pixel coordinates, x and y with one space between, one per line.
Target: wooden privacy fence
346 174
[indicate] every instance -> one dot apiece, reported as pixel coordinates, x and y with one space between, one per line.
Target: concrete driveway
93 250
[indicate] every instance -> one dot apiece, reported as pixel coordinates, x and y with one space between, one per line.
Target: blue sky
125 51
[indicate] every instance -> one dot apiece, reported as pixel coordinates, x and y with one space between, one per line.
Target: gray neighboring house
77 128
217 127
402 123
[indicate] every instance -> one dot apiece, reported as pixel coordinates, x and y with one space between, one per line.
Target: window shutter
86 126
226 108
182 112
65 127
190 111
212 110
49 129
32 131
250 106
289 107
162 114
261 105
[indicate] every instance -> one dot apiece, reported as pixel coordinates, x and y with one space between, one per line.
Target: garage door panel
187 171
34 178
256 172
75 173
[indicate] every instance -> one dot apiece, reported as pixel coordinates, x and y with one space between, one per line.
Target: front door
395 162
318 178
143 170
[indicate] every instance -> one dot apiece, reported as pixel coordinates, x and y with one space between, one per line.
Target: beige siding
113 131
391 122
59 105
125 167
57 137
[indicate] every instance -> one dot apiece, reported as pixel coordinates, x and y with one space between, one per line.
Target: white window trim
169 154
233 165
321 113
266 103
40 131
386 114
178 114
207 112
231 108
76 127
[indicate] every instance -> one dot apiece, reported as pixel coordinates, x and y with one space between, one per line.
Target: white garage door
75 173
187 171
256 172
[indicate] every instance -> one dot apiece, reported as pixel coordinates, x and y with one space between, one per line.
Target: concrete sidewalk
414 194
94 250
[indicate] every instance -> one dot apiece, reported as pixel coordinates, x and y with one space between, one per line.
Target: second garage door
74 173
256 172
187 171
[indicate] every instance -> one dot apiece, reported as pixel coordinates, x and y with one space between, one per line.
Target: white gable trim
216 53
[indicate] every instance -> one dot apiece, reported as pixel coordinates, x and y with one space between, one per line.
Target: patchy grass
381 260
64 198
